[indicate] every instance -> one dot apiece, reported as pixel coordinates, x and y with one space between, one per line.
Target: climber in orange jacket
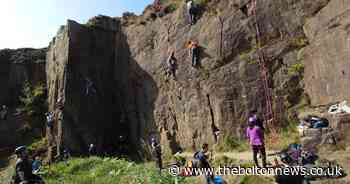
194 52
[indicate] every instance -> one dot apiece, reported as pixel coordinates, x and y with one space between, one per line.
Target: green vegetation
180 160
201 3
37 144
229 144
247 55
255 179
205 73
224 161
171 7
299 42
96 170
284 138
33 99
297 68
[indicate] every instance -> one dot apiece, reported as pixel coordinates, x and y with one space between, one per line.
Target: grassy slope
108 170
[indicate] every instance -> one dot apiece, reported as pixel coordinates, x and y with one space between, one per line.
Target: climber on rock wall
89 87
3 112
172 65
193 52
49 119
192 12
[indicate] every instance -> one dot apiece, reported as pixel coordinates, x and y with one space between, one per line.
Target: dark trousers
172 72
159 162
195 59
192 15
259 149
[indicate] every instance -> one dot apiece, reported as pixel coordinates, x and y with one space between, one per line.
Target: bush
33 99
201 3
297 68
299 42
170 8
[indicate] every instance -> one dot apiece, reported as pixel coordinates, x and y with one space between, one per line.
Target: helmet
20 150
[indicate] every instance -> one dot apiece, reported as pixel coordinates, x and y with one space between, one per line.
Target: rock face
125 61
16 67
327 58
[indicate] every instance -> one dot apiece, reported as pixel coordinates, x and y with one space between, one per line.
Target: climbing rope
269 113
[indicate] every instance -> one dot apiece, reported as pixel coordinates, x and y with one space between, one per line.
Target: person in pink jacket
256 139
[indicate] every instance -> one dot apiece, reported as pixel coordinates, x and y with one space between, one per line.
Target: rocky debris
327 57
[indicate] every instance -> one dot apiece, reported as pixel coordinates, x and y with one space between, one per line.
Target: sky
33 23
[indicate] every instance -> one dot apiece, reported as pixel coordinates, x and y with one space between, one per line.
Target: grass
37 144
283 138
96 170
232 144
255 179
224 161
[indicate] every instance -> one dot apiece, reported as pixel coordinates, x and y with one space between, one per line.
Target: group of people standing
254 133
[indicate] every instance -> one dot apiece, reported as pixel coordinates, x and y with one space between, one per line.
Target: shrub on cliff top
33 99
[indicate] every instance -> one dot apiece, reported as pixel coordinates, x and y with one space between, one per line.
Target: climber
157 6
172 65
157 153
194 52
23 169
256 139
36 165
203 157
89 86
251 6
192 11
3 112
92 150
59 104
49 119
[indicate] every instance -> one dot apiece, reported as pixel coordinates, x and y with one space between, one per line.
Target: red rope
268 115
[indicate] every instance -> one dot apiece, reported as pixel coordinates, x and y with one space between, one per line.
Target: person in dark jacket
92 150
23 168
194 53
203 157
157 153
172 64
3 112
